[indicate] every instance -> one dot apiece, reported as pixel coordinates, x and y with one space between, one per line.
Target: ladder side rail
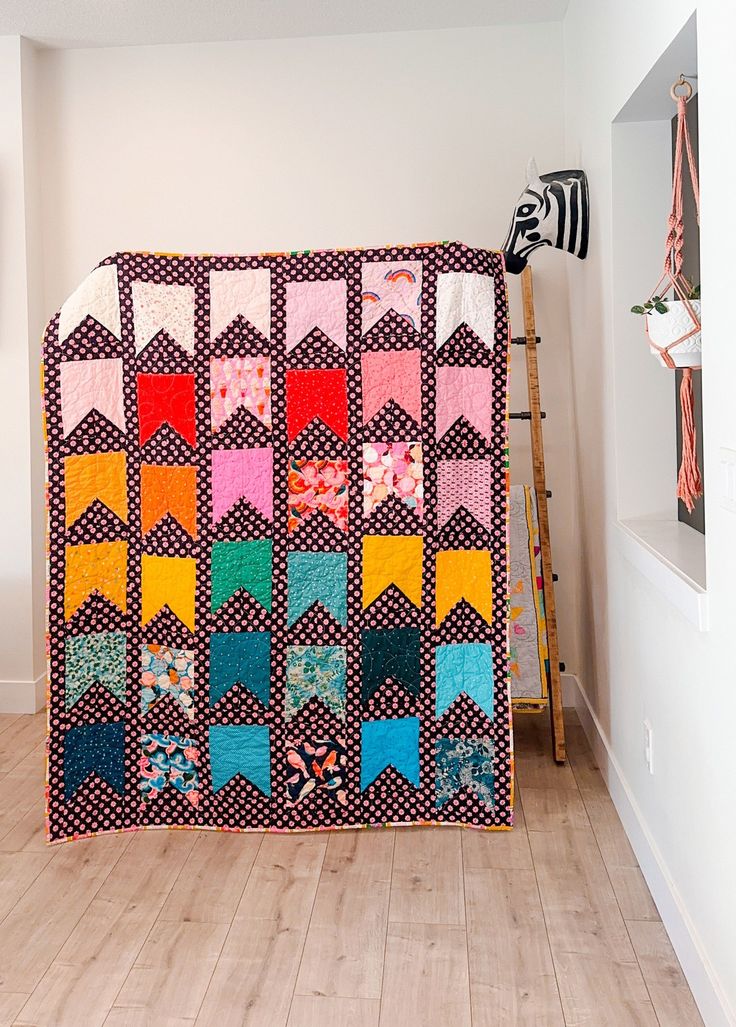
540 488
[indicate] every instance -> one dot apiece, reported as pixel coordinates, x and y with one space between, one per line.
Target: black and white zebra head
552 211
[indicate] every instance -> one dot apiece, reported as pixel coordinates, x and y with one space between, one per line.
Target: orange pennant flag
169 490
97 567
93 476
464 574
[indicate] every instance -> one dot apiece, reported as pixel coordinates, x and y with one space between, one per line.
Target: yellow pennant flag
464 574
168 581
392 559
97 567
93 476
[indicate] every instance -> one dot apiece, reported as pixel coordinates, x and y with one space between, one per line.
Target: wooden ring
681 83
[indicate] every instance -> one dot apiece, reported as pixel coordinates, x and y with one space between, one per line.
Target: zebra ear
532 174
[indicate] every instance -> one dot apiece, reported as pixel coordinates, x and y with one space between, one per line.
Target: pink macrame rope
675 234
689 482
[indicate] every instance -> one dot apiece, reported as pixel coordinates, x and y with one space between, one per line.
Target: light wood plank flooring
549 925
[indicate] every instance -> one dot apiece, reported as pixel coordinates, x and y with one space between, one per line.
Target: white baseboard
23 696
707 990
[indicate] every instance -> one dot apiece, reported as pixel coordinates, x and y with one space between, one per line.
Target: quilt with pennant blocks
277 542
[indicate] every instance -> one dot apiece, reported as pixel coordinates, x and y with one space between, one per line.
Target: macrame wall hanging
673 324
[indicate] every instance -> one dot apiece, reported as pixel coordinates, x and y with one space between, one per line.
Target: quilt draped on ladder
277 542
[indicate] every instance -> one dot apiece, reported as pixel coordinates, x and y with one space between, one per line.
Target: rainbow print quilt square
277 542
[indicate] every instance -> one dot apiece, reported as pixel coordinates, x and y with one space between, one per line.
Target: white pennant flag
465 297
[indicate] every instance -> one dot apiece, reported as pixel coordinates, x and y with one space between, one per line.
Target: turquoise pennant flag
318 578
464 667
389 743
241 749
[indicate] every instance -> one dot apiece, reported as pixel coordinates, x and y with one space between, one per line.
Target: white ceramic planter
663 329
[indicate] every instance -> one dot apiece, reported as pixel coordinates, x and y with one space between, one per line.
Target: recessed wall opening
646 409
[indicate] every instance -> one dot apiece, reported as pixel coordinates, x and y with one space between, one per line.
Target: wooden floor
550 924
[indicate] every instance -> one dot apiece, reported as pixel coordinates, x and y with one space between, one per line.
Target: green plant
658 305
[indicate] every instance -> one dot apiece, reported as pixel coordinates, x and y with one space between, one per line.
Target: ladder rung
525 415
520 340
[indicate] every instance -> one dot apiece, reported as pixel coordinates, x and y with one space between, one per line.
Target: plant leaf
660 308
638 310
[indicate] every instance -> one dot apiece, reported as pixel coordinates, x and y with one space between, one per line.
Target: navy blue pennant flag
94 748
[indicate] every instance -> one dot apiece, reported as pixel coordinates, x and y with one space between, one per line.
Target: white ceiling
72 23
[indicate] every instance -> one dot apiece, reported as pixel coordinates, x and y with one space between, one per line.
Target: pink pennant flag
242 474
464 392
466 483
317 304
88 385
392 374
392 285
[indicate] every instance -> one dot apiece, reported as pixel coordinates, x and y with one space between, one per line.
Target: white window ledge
671 556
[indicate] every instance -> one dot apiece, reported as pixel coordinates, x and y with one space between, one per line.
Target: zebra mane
553 210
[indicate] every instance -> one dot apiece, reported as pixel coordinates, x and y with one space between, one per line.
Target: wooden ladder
540 488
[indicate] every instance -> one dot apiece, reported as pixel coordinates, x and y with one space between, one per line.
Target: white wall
306 143
22 558
640 657
365 140
646 437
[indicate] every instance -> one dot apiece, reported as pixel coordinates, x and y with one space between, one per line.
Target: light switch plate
649 746
728 479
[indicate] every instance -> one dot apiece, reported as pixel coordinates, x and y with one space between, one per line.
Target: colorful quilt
277 542
529 659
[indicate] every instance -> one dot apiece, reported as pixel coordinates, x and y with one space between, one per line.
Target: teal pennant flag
318 578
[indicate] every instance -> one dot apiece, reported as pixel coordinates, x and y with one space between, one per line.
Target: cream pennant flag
243 292
167 307
465 297
96 297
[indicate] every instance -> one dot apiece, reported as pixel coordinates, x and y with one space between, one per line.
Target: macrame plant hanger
689 482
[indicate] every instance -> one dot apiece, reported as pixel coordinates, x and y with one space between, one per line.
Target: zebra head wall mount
554 211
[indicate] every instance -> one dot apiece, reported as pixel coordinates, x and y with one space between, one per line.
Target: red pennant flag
166 399
320 393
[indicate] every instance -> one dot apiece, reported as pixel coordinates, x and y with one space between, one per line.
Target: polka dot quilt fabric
277 542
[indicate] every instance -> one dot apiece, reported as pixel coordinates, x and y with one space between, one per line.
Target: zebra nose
514 263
